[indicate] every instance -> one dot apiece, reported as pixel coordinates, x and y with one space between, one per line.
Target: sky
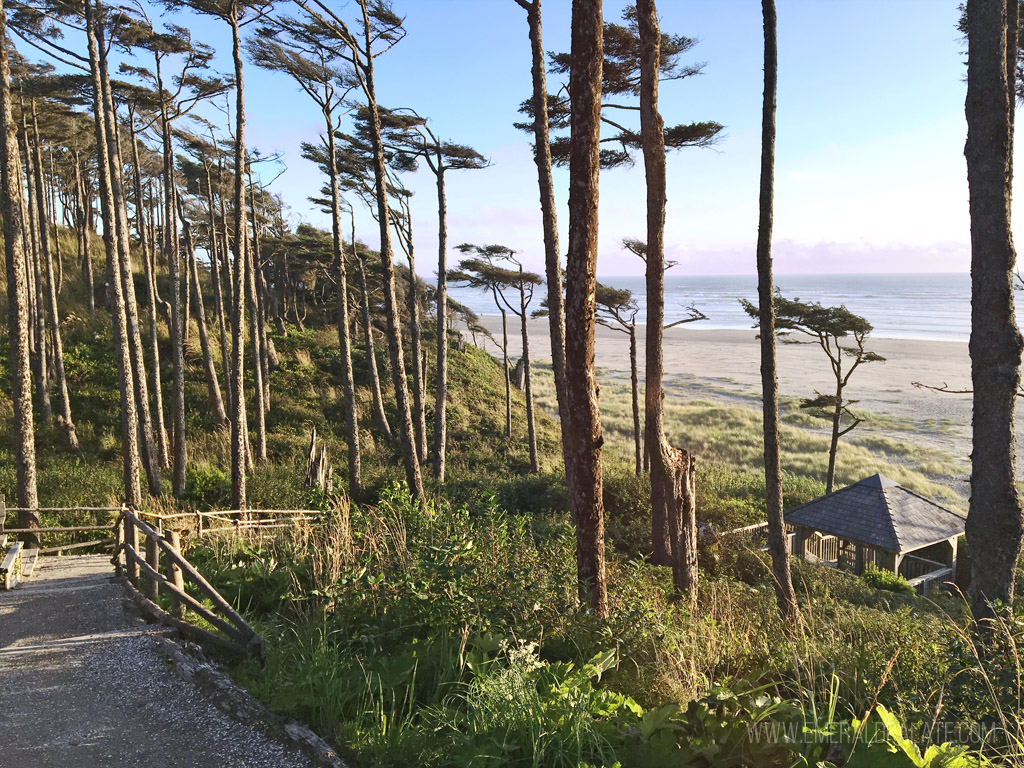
870 173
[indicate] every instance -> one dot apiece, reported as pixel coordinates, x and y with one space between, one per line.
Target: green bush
887 580
206 487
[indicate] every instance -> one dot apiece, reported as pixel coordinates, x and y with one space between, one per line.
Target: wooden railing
232 520
144 581
913 567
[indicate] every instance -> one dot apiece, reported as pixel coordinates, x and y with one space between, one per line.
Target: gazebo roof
881 513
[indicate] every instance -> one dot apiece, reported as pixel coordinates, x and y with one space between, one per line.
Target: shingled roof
881 513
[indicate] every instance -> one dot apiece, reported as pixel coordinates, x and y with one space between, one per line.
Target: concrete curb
189 662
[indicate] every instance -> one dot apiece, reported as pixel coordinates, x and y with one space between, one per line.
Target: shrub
206 487
887 580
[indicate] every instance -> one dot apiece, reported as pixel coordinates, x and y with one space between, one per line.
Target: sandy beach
724 366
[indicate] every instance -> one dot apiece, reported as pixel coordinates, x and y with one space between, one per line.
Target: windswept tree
17 298
178 93
302 49
833 329
784 594
380 29
994 520
405 132
236 14
488 272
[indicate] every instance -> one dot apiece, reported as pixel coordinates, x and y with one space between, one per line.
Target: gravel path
83 684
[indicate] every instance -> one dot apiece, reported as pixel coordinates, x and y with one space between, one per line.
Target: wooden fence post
131 542
174 574
3 521
118 545
153 561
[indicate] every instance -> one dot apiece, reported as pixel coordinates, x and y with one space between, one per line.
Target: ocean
922 306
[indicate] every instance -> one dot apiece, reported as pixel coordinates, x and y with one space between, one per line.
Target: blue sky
870 174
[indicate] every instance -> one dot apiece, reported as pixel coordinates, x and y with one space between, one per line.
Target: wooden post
118 545
174 574
3 521
153 560
131 542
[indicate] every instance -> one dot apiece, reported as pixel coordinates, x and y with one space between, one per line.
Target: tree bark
149 267
394 328
416 356
542 157
64 421
344 340
147 445
635 387
531 424
504 363
669 467
994 522
259 407
379 416
441 389
220 416
785 596
581 419
40 360
238 435
129 414
17 301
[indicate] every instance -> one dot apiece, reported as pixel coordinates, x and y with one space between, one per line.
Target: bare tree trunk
581 419
17 302
129 414
531 425
783 580
394 328
218 294
542 157
416 357
149 267
257 362
220 416
238 428
40 361
994 524
379 416
833 448
670 467
441 389
344 342
64 421
635 387
504 363
83 221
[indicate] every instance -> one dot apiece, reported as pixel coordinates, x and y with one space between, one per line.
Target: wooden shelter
878 522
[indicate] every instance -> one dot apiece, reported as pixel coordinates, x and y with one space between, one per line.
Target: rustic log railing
142 569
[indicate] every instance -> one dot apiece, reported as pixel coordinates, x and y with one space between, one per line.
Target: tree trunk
129 414
17 302
379 416
394 327
419 421
994 522
833 448
64 421
84 213
218 293
257 361
504 364
635 386
238 435
542 157
40 360
147 446
149 266
220 416
441 389
531 425
581 419
344 341
669 467
783 580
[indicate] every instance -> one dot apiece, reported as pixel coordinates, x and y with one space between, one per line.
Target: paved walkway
82 684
